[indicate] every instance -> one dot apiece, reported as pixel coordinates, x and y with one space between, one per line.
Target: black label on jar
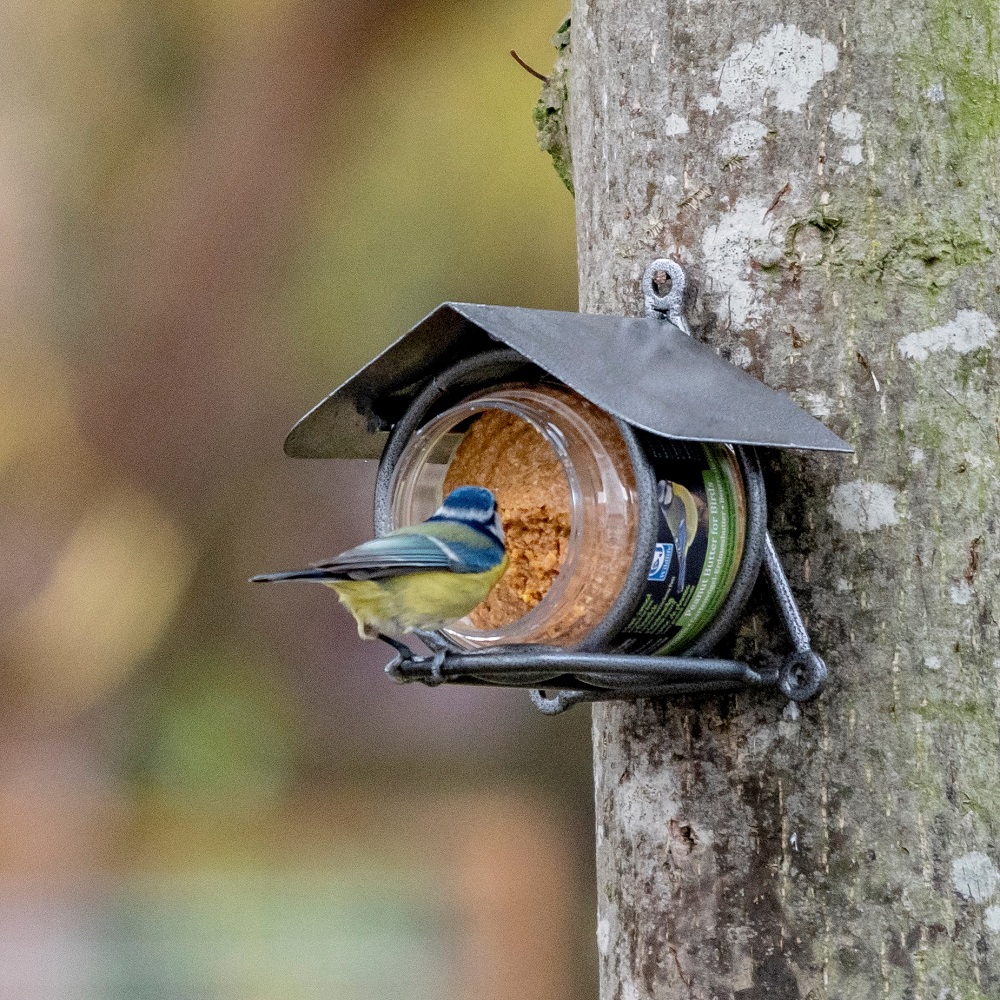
698 547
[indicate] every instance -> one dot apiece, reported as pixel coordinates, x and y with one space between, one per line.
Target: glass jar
566 486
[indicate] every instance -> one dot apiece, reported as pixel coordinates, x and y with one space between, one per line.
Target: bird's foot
437 675
405 655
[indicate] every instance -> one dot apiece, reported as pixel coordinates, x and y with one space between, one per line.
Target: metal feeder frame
587 672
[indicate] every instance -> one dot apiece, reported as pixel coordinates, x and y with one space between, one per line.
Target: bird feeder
622 452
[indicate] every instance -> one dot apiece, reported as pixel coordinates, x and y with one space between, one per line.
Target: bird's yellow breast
400 604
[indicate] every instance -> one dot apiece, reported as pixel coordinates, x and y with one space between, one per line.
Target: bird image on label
679 511
417 577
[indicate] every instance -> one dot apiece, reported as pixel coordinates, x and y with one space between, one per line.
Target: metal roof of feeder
644 370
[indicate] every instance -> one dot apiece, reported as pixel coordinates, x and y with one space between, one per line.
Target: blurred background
212 212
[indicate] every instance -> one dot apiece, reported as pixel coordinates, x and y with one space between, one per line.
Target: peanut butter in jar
508 456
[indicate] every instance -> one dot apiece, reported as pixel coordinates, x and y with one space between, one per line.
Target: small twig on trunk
525 66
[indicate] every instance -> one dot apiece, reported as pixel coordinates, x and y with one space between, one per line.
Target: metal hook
563 700
671 305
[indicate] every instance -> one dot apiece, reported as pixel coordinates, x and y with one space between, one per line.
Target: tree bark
828 175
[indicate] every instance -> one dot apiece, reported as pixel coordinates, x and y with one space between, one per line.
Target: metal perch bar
536 667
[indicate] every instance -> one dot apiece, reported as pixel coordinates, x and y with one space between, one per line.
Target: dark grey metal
564 700
651 375
585 677
519 666
803 672
645 371
783 596
802 676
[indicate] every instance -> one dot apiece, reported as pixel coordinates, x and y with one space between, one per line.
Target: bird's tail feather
306 575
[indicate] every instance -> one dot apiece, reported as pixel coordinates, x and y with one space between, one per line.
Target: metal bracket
803 673
580 677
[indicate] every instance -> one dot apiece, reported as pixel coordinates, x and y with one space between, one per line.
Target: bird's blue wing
469 549
392 555
436 544
442 546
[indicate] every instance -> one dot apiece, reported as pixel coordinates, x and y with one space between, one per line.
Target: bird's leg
432 641
405 653
435 642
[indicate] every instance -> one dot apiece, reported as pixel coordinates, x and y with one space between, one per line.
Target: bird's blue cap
467 503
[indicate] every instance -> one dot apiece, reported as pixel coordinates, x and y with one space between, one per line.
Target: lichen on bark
550 111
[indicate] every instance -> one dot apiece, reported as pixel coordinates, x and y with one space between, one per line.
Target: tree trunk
828 177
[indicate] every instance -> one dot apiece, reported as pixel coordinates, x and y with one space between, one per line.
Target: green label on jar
698 548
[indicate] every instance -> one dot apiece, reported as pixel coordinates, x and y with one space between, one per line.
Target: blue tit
418 577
